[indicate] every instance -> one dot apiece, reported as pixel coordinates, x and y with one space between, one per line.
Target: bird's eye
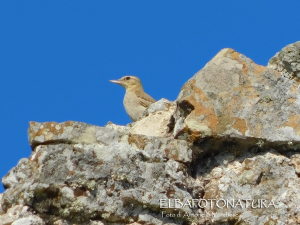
127 78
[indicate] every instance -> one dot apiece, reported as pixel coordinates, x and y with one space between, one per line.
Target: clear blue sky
56 57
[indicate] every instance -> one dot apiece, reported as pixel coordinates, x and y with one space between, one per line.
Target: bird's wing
145 99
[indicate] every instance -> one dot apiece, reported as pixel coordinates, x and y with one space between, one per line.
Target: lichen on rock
226 151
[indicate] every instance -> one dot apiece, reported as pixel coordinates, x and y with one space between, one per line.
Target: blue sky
56 57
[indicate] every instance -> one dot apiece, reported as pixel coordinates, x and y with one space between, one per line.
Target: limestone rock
1 210
158 120
29 221
97 172
234 98
260 180
20 214
225 152
72 132
287 61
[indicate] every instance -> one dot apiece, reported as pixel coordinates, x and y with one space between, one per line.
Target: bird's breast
132 105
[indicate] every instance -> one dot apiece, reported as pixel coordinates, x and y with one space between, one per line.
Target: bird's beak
116 81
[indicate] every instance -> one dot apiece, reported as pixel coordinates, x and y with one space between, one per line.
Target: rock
234 99
263 180
81 180
61 222
287 61
1 210
158 121
225 152
72 132
28 221
147 219
19 214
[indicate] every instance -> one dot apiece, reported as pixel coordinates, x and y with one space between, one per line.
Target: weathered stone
287 61
158 120
16 213
247 178
29 221
1 202
61 222
72 132
121 172
148 219
234 98
225 152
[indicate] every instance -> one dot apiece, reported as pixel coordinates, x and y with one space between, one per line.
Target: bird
135 101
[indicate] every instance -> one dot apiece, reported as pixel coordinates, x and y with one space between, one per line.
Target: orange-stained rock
232 97
230 142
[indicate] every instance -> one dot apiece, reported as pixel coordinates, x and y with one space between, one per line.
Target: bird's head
128 82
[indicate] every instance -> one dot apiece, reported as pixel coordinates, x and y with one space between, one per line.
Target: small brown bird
135 101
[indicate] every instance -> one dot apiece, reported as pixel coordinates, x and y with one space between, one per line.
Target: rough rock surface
287 61
225 152
159 120
236 98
